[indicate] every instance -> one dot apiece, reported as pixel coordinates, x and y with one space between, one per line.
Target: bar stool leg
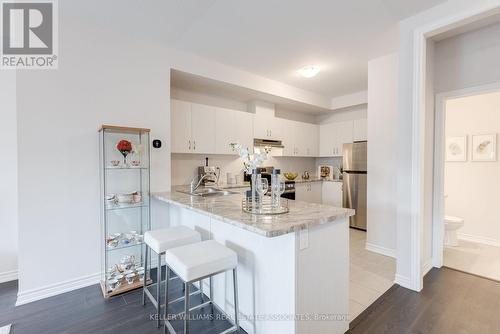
165 318
186 307
158 290
211 283
144 286
201 290
236 310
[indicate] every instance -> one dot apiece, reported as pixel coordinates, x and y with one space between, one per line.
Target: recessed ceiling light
309 71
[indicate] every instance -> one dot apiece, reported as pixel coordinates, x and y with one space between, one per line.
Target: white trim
479 239
5 329
420 36
439 166
29 296
426 266
404 281
8 276
380 250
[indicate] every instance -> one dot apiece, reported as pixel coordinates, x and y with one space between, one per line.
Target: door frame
439 163
421 35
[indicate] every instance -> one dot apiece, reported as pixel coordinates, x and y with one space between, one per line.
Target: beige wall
473 188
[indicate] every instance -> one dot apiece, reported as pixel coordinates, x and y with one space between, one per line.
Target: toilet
451 226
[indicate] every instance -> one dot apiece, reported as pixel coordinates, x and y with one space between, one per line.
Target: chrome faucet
195 185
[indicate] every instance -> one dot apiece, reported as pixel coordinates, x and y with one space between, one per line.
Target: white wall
185 166
473 188
382 160
452 10
344 114
106 75
468 60
8 177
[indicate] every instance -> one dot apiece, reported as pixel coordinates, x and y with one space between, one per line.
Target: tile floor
475 258
371 274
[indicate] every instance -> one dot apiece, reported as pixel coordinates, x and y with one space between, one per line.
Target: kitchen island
293 269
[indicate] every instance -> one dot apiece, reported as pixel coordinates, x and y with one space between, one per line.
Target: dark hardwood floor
86 311
451 302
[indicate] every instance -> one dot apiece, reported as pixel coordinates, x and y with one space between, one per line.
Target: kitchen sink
208 192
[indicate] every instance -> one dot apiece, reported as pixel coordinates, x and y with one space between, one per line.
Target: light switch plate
303 238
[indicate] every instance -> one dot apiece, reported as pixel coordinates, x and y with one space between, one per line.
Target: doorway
467 170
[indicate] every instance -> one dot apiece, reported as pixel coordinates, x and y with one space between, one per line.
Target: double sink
208 192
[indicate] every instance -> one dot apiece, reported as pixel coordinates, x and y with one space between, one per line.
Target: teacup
115 163
141 275
130 278
135 163
113 284
137 198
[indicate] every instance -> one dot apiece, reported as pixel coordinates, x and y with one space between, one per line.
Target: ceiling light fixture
309 71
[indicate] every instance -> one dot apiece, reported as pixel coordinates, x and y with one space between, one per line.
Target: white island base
293 283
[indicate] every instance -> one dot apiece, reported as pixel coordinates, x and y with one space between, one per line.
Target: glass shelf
126 206
123 246
126 168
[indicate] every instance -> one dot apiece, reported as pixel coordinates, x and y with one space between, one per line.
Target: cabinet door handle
189 144
194 145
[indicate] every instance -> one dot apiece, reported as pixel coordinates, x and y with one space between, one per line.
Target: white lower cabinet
308 192
332 193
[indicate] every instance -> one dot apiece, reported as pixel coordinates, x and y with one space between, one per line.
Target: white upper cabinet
344 135
193 127
300 139
181 126
266 125
360 132
333 136
312 140
327 139
232 126
203 128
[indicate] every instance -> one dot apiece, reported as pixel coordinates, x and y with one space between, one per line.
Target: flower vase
254 189
124 153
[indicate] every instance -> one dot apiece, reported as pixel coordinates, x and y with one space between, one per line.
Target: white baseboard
479 239
427 266
29 296
380 250
404 281
5 329
8 276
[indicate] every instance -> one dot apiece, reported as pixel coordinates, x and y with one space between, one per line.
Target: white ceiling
274 38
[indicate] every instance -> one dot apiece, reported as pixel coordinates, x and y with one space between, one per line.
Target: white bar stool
160 241
196 262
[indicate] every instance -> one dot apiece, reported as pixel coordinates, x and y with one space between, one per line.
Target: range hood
267 143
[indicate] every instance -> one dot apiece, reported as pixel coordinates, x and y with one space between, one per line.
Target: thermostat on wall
156 143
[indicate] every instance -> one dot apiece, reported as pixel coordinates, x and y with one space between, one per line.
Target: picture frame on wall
456 149
484 147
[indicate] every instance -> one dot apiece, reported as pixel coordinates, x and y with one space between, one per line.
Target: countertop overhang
228 209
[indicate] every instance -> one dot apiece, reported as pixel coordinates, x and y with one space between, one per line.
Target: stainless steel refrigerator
354 177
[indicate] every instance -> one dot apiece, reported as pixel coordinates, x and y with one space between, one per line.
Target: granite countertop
316 179
228 209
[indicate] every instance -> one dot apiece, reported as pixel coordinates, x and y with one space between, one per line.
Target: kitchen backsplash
185 166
